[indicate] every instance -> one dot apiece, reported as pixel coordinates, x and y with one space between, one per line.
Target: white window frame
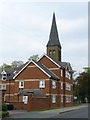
53 84
68 87
4 75
66 74
69 76
3 88
20 84
68 99
25 99
61 98
42 84
53 98
61 72
61 85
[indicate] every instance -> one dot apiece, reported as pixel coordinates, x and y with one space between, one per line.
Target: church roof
53 38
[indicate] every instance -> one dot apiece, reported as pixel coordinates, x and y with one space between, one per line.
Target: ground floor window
25 99
53 98
68 99
61 98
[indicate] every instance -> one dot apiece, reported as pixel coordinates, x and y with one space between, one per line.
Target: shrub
5 114
4 107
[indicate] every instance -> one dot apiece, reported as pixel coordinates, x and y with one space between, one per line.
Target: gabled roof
50 60
53 38
10 71
42 68
53 76
62 65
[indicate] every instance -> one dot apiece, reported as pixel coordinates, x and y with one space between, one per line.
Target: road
81 112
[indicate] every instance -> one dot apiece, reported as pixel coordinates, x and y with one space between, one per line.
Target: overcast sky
25 28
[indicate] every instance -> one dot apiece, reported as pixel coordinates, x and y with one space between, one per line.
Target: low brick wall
19 105
37 103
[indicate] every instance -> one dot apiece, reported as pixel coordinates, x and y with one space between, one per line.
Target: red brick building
40 84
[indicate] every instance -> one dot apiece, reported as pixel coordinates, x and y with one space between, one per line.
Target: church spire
54 46
53 38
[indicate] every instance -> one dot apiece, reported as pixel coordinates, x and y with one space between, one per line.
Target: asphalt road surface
79 113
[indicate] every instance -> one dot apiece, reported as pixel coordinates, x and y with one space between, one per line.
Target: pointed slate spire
53 38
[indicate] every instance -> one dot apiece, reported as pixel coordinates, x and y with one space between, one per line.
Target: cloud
68 26
25 28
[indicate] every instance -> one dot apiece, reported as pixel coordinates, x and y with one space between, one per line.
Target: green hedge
4 107
5 114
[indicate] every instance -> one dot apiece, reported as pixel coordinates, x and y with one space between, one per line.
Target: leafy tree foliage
16 64
6 65
81 85
34 57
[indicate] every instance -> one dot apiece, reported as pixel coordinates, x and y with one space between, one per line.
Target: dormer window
4 75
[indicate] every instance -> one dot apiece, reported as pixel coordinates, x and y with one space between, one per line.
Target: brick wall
19 105
37 103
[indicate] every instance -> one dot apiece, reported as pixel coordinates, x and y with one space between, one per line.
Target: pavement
44 114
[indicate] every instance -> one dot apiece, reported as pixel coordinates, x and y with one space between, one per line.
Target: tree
6 65
16 64
81 86
34 57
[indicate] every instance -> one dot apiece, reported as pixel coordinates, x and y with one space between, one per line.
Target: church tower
53 45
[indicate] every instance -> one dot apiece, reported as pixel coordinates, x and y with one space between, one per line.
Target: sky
25 28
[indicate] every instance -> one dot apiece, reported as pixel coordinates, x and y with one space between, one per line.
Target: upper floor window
3 86
68 86
4 75
21 84
53 84
53 98
61 85
42 84
69 76
61 72
66 74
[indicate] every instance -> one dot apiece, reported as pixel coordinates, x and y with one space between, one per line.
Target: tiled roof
34 92
53 38
53 76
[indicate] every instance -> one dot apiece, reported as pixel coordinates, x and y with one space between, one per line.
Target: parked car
9 106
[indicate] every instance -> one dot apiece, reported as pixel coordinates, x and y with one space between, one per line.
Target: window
53 84
66 74
68 86
53 99
21 84
25 99
3 86
68 98
42 84
69 76
4 75
50 52
61 72
61 85
61 98
54 52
